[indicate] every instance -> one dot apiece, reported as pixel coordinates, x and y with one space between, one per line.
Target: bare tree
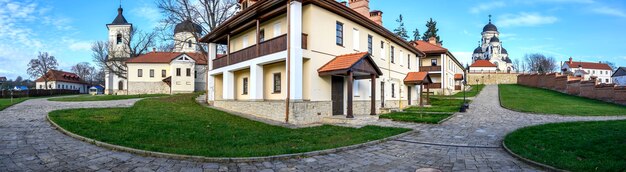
611 64
516 65
113 59
540 63
84 70
40 66
98 77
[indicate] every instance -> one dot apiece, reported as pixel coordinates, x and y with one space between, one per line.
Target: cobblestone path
467 142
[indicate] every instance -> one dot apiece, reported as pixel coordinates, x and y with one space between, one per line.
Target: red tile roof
417 78
458 76
427 47
57 75
589 65
167 57
482 63
342 62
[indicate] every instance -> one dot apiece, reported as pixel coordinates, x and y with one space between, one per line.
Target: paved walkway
468 141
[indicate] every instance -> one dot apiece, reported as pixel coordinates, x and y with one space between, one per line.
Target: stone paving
467 142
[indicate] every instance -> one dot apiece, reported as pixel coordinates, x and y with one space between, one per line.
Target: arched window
120 85
189 43
119 39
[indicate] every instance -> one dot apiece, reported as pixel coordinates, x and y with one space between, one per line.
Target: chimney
377 17
361 6
433 40
570 60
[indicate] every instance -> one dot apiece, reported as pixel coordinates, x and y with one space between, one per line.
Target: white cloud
609 11
525 19
149 13
486 6
463 56
80 46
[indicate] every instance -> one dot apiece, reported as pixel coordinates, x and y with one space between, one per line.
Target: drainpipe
288 62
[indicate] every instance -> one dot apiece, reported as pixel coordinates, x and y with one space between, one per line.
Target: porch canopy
419 78
353 66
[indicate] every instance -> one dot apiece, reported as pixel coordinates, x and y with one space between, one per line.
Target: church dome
187 26
478 50
504 51
508 60
494 39
490 27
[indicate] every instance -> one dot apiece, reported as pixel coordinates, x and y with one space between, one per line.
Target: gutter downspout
288 61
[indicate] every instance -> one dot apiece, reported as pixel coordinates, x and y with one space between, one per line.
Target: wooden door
337 95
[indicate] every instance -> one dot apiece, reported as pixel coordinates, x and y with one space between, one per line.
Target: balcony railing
430 68
270 46
433 86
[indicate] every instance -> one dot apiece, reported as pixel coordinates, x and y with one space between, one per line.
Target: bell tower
119 36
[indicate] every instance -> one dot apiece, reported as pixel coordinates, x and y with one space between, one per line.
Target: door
408 94
337 95
382 94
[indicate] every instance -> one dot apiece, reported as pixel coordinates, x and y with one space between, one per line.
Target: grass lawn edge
71 98
529 161
221 159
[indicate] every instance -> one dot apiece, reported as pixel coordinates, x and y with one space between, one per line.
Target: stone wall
491 78
148 88
575 86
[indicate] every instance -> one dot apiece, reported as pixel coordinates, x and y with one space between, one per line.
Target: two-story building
299 61
588 69
57 79
444 69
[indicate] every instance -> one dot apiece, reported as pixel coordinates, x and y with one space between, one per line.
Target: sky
587 30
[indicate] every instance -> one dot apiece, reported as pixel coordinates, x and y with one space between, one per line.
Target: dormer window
119 39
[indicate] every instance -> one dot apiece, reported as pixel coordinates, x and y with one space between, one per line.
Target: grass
429 118
6 102
82 98
177 124
537 100
574 146
469 93
439 105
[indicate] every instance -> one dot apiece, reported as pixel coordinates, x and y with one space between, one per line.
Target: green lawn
6 102
429 118
177 124
475 89
574 146
439 105
82 98
537 100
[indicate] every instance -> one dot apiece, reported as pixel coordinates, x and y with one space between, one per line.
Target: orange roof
417 78
458 76
427 47
167 57
482 63
57 75
589 65
342 62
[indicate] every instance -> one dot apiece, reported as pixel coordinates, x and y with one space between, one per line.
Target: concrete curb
528 161
220 160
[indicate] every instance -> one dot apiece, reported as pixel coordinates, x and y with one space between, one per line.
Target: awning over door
360 64
417 78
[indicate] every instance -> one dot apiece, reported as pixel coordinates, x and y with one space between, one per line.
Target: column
350 78
373 90
210 81
228 85
295 50
256 82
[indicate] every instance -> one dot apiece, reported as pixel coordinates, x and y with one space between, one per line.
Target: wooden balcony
274 45
430 68
433 86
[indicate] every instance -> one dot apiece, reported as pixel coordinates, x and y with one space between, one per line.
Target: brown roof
167 57
458 76
482 63
360 63
589 65
342 62
57 75
427 47
417 78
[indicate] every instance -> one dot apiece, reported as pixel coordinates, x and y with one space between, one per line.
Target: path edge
225 159
528 161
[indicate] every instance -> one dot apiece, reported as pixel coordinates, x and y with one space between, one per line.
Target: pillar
228 88
210 80
295 50
373 97
350 79
256 82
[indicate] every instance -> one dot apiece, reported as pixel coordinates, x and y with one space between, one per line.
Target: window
391 54
355 39
355 88
369 43
408 60
139 72
189 43
245 42
276 29
382 50
262 35
151 73
188 72
245 86
401 58
118 39
195 74
163 73
120 85
433 62
177 71
339 34
393 90
277 83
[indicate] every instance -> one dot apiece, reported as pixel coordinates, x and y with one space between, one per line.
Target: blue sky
587 30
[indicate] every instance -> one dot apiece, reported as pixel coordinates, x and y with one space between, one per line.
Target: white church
491 49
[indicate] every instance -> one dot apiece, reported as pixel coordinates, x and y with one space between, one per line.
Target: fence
36 93
575 86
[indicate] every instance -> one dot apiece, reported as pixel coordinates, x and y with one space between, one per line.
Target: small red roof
61 76
427 47
458 76
483 63
167 57
417 78
342 62
589 65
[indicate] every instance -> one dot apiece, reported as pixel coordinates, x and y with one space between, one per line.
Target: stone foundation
148 88
491 78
